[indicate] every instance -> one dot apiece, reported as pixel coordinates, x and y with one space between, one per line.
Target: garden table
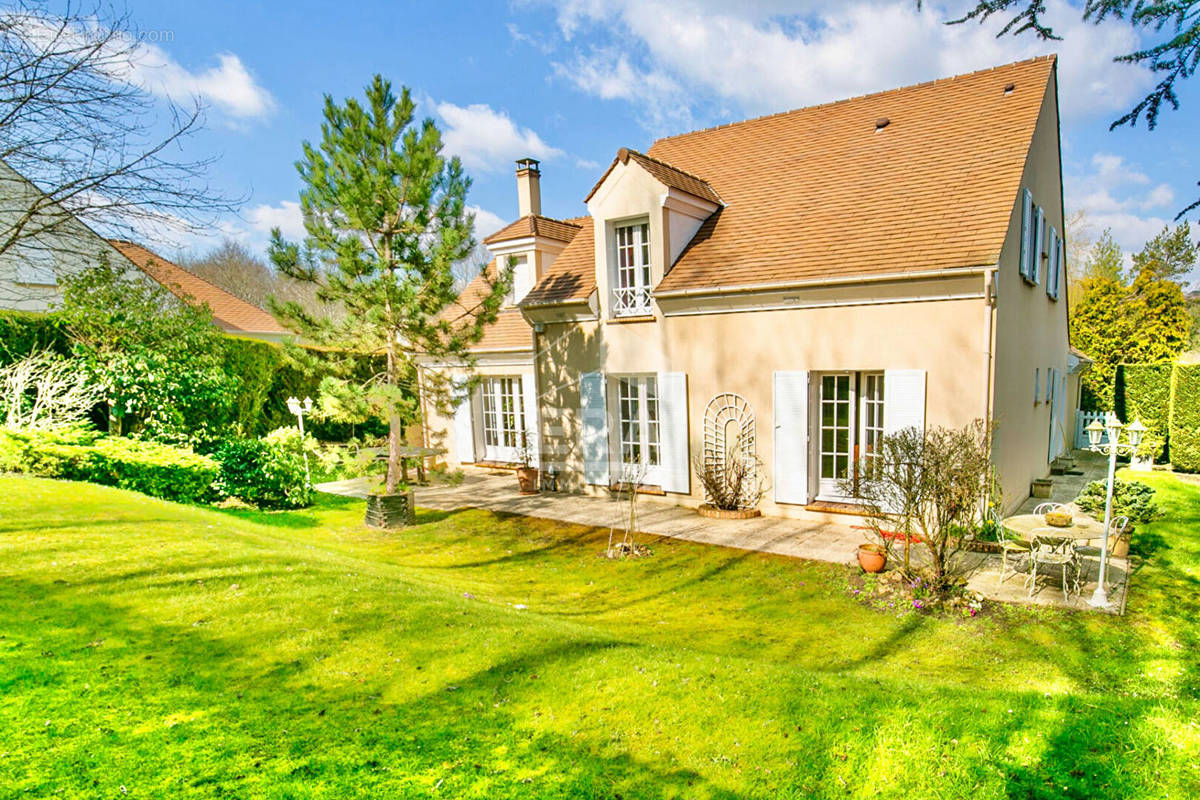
409 453
1083 528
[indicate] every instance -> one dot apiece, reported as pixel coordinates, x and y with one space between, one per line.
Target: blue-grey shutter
1039 243
1052 268
903 400
594 422
673 426
791 437
1026 233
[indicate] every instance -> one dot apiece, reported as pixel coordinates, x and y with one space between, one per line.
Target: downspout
990 295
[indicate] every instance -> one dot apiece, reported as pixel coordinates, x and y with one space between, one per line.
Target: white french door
638 430
503 419
849 428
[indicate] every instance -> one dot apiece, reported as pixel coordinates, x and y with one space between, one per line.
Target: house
805 282
56 244
230 313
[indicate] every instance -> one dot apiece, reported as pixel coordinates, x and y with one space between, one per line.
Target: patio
835 542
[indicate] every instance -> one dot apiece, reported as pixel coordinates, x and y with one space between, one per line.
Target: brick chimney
529 190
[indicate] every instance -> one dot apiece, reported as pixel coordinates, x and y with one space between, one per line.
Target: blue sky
571 82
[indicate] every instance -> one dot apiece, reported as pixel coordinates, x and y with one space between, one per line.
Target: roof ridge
921 85
158 258
551 219
669 165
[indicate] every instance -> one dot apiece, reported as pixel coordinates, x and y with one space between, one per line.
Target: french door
503 419
849 429
638 418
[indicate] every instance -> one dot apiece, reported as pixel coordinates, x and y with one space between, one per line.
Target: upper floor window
631 284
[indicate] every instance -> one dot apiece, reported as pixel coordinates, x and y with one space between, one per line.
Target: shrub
159 470
1143 391
267 474
1130 498
26 332
1185 418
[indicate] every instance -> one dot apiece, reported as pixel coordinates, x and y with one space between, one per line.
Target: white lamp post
1111 448
300 409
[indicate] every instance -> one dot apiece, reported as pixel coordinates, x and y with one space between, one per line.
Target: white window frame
865 426
502 418
631 269
638 434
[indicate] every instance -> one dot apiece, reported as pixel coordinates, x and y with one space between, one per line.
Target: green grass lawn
154 650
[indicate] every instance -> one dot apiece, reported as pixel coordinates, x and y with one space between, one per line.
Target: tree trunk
395 429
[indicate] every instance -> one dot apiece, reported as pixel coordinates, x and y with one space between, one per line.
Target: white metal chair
1017 549
1117 529
1053 553
1046 508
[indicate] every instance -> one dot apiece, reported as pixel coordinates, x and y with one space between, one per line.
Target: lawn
149 649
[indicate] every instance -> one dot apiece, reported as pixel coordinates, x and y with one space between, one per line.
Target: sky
571 82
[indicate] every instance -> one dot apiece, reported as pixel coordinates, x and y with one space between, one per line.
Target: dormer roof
669 176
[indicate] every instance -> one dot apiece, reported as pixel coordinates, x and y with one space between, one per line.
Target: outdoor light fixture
300 409
1111 448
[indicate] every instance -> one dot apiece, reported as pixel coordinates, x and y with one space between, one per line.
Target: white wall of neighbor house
1031 329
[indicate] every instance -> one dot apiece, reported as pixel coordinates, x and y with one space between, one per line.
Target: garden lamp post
300 409
1110 448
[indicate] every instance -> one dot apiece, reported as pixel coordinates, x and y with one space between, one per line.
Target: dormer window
631 284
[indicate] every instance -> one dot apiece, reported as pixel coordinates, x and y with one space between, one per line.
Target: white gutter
770 287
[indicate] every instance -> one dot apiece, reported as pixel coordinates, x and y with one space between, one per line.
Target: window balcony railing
631 301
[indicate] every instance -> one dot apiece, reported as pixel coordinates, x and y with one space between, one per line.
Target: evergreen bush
1185 418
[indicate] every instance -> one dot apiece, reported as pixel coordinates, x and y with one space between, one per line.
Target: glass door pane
836 427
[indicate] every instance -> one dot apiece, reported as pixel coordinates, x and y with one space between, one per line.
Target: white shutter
791 437
1039 234
673 428
464 429
594 422
1026 234
903 400
533 428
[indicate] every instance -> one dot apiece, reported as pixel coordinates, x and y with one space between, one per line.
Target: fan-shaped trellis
728 424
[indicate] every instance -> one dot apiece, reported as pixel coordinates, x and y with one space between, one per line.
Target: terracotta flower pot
527 479
872 557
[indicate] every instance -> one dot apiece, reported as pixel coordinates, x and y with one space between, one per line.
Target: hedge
158 470
1143 391
1185 418
24 332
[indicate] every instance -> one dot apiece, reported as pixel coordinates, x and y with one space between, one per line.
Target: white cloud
286 216
486 223
228 85
487 140
769 56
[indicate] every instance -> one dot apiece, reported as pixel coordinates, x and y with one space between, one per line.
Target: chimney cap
527 163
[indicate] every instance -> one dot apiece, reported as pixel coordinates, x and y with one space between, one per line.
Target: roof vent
1008 88
881 123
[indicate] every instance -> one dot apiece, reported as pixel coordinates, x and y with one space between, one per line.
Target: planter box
719 513
391 510
1040 488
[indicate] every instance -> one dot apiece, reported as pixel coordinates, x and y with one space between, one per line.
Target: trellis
728 422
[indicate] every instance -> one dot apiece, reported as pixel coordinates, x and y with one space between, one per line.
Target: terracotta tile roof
819 192
231 313
664 173
572 276
535 225
510 331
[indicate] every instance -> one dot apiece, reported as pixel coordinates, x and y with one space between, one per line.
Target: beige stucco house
808 281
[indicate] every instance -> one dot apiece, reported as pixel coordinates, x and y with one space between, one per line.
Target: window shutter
464 429
791 437
673 425
1026 233
529 399
1052 269
1039 233
1037 384
903 400
594 420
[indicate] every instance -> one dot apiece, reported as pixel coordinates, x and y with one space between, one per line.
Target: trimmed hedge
1143 391
267 473
1185 418
24 332
159 470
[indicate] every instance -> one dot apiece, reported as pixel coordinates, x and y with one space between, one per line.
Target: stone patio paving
820 541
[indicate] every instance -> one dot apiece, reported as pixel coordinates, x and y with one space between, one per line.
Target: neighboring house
230 313
55 244
808 281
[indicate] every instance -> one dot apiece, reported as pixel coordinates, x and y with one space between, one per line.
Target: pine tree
1105 259
1169 256
386 221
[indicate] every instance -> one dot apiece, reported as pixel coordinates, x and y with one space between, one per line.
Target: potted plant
872 557
733 485
527 473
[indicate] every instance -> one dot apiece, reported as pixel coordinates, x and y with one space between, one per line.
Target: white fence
1082 420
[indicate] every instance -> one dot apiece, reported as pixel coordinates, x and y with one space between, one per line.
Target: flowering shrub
267 472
